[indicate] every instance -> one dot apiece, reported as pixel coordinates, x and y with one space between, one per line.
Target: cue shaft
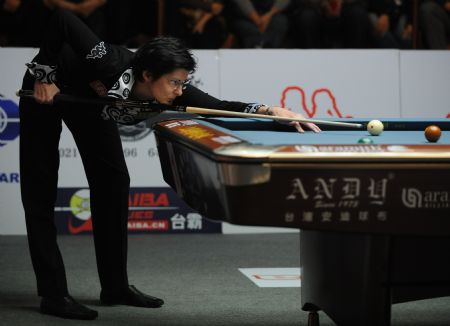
196 110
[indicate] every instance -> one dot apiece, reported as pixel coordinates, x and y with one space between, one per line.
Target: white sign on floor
273 277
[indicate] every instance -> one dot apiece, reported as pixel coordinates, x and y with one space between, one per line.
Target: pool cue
190 109
113 101
158 108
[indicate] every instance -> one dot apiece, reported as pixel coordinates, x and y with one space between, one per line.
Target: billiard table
374 218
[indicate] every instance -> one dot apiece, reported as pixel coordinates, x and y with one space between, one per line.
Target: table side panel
384 196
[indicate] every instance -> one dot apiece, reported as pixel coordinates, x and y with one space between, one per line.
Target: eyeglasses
176 83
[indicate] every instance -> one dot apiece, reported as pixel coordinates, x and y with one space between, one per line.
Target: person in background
22 22
204 25
259 23
74 60
391 23
92 12
117 20
435 24
306 23
331 23
9 21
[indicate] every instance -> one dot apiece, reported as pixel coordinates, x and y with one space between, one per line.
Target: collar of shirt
128 115
122 87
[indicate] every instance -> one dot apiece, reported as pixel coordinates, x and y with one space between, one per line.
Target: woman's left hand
282 112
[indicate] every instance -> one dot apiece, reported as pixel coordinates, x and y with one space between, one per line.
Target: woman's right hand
44 93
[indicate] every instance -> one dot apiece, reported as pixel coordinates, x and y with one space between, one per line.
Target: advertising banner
151 210
316 83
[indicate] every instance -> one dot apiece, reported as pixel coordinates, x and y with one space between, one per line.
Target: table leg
313 319
345 275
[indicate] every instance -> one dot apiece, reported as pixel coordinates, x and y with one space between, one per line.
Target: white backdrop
425 83
328 83
316 83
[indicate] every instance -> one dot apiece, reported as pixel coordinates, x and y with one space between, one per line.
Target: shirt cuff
253 107
43 73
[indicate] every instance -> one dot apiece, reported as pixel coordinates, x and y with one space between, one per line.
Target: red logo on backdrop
141 211
330 109
86 226
148 199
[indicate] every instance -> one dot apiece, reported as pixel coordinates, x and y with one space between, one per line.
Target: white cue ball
375 127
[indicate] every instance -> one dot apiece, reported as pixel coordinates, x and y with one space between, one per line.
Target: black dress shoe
130 297
66 307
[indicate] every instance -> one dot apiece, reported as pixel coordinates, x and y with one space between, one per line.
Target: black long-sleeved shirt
74 58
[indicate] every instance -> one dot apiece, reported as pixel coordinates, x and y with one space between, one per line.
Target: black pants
99 144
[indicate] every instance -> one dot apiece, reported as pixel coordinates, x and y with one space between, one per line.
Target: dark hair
161 56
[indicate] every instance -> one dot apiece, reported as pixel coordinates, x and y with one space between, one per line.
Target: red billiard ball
432 133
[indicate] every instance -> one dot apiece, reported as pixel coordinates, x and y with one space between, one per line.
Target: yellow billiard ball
375 127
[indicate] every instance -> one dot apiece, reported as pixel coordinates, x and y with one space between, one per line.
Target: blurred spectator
142 23
306 20
391 23
22 22
435 23
204 26
259 23
9 20
331 23
117 20
92 12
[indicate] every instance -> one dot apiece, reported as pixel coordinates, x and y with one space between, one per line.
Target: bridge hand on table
282 112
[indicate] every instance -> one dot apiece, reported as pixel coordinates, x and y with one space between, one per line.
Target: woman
73 60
